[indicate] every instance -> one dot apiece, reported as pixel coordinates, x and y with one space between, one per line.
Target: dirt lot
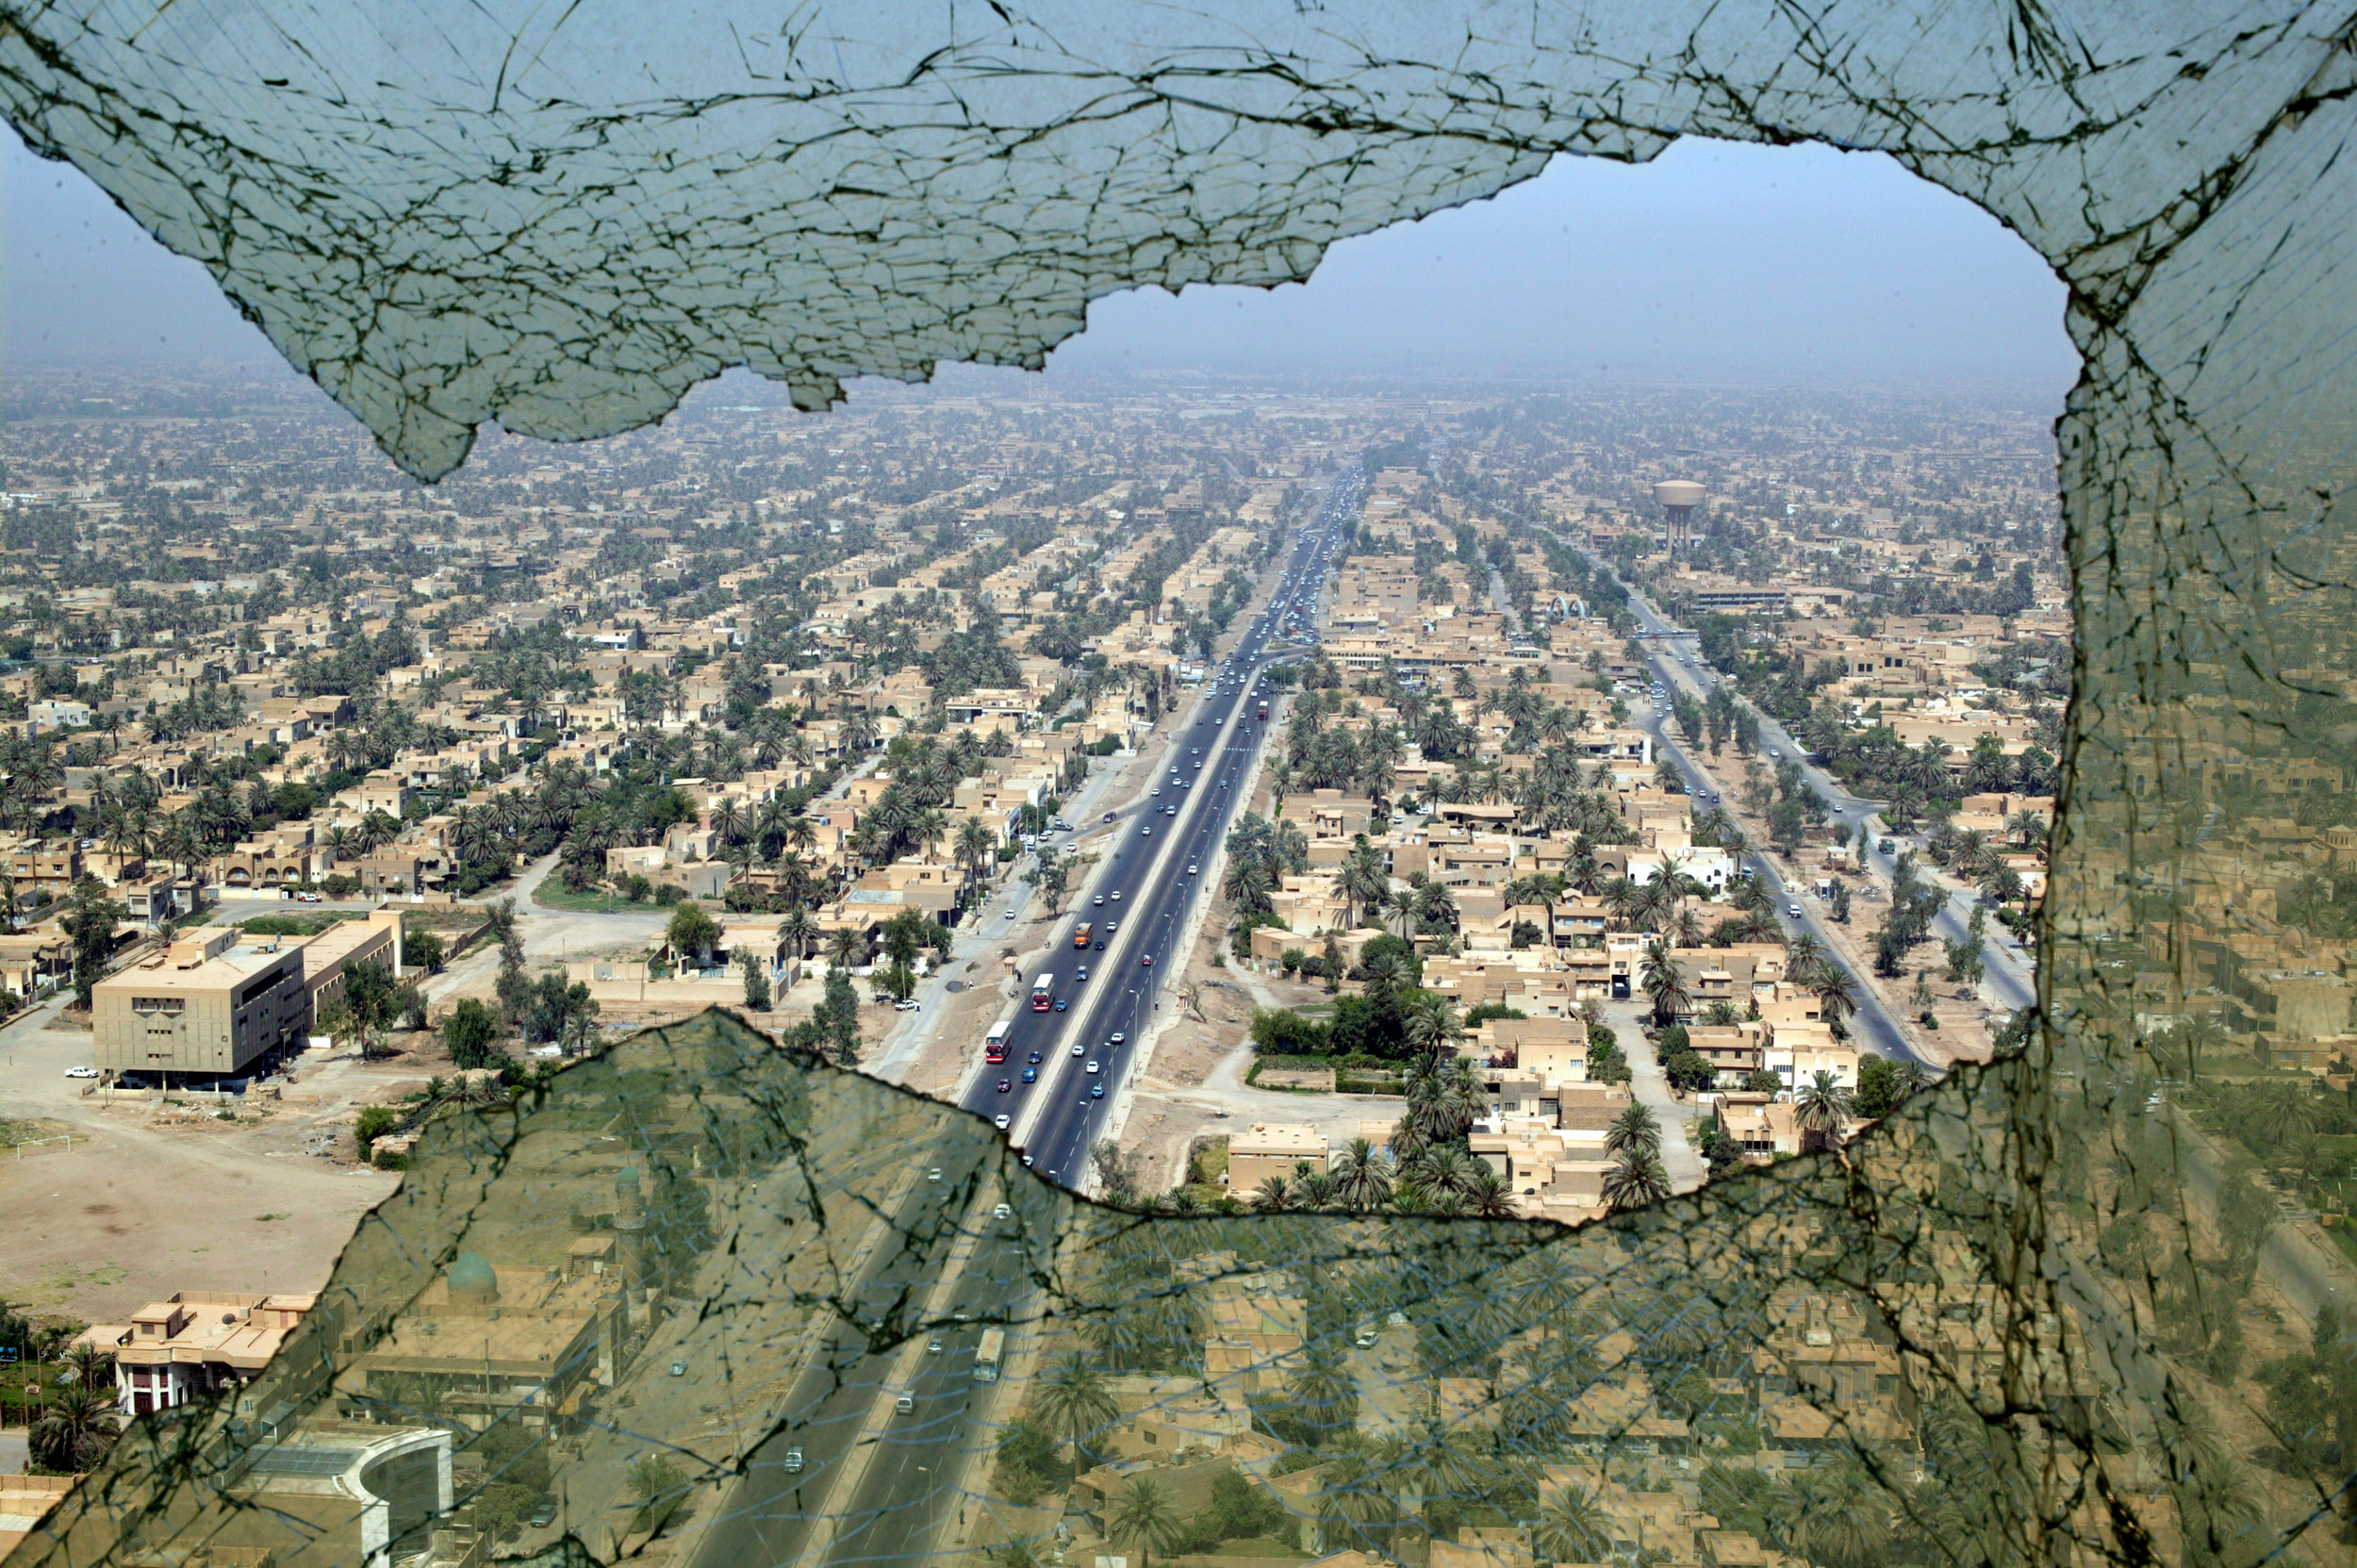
159 1196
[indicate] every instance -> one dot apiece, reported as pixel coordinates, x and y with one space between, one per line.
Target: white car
1191 869
81 1072
1079 1050
1114 895
1794 910
1093 1069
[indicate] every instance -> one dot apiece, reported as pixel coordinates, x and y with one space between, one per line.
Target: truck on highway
995 1043
1261 712
1082 932
1043 991
986 1355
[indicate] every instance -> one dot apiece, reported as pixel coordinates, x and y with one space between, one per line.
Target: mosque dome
472 1275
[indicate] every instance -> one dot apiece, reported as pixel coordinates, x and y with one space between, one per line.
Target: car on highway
1098 944
1111 926
1036 1059
1079 1050
1157 789
1116 1037
1114 895
1109 817
1170 811
1093 1068
1146 832
1190 867
1146 961
1001 1122
932 1346
1004 1085
1101 901
1059 1004
1794 910
1030 1075
81 1072
1010 914
1081 973
1096 1091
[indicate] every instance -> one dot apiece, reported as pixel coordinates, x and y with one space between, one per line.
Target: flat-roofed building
1268 1150
210 1006
330 956
193 1343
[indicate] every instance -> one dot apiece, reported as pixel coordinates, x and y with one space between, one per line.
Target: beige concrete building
1264 1152
193 1343
211 1004
328 956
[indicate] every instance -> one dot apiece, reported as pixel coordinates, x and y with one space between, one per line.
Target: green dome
626 1177
472 1275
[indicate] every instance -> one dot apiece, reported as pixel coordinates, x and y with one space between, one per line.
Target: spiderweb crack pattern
2011 1325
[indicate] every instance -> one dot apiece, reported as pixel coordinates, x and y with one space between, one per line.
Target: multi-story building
211 1005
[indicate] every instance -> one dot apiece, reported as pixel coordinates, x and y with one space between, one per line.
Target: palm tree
1363 1175
1636 1128
846 948
1144 1519
76 1430
1273 1195
798 927
1665 985
1835 996
1821 1109
1073 1402
1638 1179
1572 1528
1363 880
1433 1027
1492 1198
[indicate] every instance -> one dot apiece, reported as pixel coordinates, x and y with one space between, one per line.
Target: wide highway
848 1477
1156 857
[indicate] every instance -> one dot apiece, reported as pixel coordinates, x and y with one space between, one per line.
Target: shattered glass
2071 1308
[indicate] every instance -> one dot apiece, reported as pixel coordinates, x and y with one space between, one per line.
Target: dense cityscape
1615 791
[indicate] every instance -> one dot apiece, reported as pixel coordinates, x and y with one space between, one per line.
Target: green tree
470 1033
691 933
90 921
1821 1107
76 1427
1073 1402
1143 1517
757 981
374 1123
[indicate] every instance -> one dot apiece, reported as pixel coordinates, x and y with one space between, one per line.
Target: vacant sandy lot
157 1197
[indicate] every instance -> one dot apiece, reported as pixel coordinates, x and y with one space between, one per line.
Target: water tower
1679 498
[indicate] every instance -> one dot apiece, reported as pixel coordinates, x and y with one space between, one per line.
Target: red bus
1042 990
995 1043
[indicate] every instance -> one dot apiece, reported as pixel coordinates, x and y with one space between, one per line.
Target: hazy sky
1715 262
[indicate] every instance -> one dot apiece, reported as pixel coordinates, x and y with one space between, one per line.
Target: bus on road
995 1043
987 1353
1042 990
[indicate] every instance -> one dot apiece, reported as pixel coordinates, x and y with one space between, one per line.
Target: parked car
81 1072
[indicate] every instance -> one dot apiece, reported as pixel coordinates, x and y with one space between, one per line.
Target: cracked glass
2071 1307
